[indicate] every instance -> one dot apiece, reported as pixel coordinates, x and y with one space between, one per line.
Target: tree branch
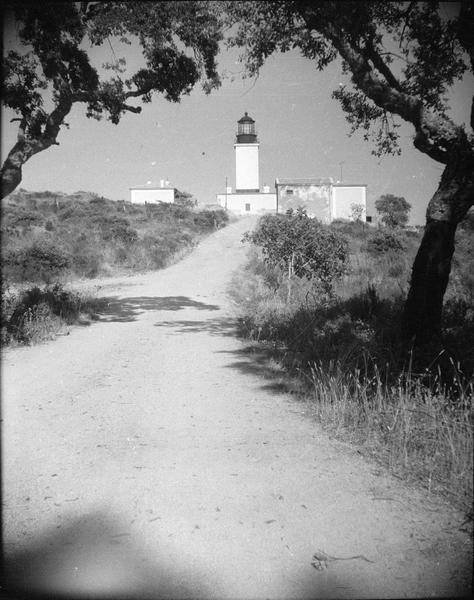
434 134
381 66
134 109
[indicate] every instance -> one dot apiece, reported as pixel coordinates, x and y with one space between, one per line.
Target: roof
315 181
150 187
246 119
304 181
341 184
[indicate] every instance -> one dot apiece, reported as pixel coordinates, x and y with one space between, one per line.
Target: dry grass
39 314
413 414
417 431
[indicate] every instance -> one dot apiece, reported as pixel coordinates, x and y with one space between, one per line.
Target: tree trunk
10 175
430 276
11 172
432 266
28 144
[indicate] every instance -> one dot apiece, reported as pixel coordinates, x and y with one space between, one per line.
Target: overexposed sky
302 133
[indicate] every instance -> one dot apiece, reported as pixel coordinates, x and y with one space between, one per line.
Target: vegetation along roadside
49 239
327 305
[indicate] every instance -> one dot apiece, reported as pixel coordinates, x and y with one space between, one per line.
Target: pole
340 164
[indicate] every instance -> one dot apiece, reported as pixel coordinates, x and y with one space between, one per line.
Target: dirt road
145 456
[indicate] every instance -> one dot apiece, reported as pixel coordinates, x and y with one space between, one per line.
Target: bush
382 242
301 247
43 260
38 314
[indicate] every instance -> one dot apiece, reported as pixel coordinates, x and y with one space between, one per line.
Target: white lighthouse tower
246 156
247 197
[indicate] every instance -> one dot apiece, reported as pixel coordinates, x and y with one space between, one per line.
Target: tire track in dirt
144 455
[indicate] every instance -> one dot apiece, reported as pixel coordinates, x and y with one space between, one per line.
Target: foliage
301 247
362 317
51 67
412 412
38 314
42 260
357 212
401 56
381 242
403 60
393 210
82 235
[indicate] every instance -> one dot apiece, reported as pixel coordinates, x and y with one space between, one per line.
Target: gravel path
145 456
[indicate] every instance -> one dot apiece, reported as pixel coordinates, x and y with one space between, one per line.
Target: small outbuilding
153 194
322 198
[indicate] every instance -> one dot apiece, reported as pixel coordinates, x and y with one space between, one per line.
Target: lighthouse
246 156
247 197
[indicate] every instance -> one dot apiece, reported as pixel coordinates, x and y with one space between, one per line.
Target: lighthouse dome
246 133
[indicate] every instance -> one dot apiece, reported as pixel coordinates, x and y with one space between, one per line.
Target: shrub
381 242
43 260
22 218
87 258
301 247
38 314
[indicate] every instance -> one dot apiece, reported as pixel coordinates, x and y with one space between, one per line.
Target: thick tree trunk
432 266
430 276
22 151
11 175
29 144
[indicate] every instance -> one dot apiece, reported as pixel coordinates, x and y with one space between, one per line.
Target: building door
247 208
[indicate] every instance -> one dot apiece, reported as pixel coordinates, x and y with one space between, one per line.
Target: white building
248 198
152 193
321 198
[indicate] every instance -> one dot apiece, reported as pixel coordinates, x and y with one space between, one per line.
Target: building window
368 219
247 208
289 192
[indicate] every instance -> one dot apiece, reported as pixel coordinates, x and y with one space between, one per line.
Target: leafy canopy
402 57
301 247
393 210
179 43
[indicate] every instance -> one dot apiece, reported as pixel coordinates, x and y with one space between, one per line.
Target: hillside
46 235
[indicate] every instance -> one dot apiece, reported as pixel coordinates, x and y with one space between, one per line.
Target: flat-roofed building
321 197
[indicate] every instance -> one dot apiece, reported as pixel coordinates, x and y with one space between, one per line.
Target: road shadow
260 360
124 310
223 326
95 556
270 364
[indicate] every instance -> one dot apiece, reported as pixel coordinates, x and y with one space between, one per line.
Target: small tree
357 211
301 247
393 210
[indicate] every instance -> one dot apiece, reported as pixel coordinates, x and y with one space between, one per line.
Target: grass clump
39 314
414 413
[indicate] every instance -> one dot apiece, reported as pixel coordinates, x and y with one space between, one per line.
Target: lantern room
246 133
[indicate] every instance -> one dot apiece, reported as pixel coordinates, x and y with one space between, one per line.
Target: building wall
151 195
315 199
344 196
246 167
248 204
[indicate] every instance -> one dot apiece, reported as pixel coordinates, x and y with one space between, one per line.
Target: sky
301 130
